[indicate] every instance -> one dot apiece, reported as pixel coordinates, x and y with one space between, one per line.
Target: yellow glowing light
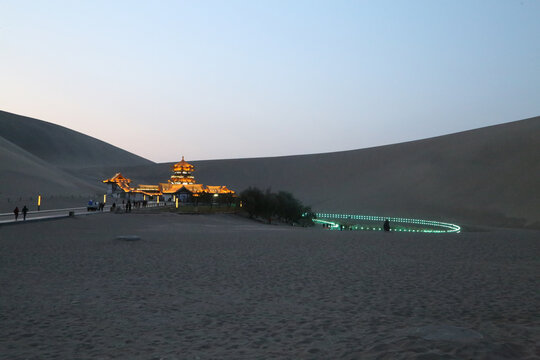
158 199
105 198
39 200
177 203
144 197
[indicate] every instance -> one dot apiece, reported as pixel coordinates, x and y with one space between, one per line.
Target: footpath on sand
42 215
52 214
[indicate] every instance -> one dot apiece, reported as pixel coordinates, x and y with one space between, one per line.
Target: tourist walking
16 212
24 211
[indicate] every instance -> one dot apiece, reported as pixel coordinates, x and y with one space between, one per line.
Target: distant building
119 188
181 185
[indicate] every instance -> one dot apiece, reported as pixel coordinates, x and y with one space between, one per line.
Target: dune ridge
37 157
62 147
486 177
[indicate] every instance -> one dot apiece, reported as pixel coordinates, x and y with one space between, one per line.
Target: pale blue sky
227 79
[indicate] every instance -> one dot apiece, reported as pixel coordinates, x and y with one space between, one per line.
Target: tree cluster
267 205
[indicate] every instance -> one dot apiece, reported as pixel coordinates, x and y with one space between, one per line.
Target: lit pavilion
119 188
181 185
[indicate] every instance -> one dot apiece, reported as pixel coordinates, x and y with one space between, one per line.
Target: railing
46 214
83 210
335 221
80 210
45 211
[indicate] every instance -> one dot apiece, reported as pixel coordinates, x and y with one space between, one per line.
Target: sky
236 79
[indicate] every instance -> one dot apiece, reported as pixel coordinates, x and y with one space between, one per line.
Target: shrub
282 205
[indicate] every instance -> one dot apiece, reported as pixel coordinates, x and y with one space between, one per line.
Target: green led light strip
440 227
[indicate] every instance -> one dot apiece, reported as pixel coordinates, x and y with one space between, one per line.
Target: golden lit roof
224 190
181 179
183 166
218 189
148 188
195 188
117 178
121 181
169 188
173 188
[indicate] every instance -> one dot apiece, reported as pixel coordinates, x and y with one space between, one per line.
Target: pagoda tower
182 173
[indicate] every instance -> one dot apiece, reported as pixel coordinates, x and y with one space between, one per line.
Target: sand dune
24 174
225 287
487 176
61 146
37 157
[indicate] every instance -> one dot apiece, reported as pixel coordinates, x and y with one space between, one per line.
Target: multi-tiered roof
182 173
181 180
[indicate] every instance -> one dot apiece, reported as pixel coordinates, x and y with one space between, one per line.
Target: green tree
267 205
252 199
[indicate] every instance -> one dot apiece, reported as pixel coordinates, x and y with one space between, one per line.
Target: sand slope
37 157
61 146
24 174
488 176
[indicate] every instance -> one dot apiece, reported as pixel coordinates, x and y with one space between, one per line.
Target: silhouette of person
24 211
16 212
386 225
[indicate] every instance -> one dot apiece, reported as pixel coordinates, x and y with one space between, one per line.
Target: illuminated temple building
181 185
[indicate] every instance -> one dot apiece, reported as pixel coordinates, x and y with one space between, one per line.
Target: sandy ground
223 287
486 177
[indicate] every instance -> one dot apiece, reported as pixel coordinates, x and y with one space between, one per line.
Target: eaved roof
121 181
117 178
218 189
150 190
173 188
183 165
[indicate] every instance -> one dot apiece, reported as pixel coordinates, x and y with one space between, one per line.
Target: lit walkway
372 223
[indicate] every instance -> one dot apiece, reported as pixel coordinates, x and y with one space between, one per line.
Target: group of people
24 212
127 206
137 204
97 206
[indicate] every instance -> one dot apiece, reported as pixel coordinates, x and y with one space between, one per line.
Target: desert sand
486 177
37 157
225 287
